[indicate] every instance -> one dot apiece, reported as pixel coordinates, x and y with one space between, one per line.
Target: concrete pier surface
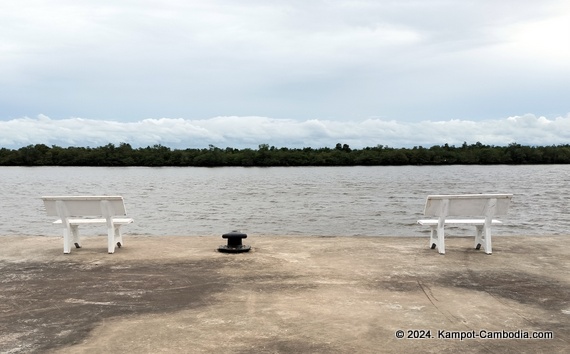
287 295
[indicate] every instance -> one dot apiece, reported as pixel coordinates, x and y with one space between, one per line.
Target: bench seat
121 221
481 222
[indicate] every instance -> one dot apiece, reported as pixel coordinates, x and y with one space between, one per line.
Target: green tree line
340 155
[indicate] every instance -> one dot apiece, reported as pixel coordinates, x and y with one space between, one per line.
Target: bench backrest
467 205
84 206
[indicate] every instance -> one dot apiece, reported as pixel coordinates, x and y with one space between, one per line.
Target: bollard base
238 249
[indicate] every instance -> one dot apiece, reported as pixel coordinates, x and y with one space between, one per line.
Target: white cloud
544 40
250 132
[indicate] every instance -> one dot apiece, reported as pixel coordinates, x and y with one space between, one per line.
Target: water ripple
322 201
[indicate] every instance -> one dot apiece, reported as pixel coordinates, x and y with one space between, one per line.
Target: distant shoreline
125 155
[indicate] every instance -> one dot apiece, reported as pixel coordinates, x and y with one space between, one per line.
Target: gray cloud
326 60
250 132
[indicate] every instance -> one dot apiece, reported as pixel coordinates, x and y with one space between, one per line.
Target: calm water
328 201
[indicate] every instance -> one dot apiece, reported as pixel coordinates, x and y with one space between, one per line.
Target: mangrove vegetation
340 155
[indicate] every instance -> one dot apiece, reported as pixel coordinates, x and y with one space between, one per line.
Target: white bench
475 209
81 210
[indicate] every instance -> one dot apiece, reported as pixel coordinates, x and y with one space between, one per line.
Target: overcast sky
284 72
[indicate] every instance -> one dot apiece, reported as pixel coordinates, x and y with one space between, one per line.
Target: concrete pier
287 295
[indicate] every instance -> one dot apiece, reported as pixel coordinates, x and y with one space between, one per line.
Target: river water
304 201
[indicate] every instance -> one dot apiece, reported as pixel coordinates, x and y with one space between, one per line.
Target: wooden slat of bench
481 222
461 206
75 221
84 206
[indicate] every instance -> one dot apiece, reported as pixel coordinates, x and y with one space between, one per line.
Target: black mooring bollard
234 243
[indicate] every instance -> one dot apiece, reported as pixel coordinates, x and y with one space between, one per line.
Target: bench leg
114 237
436 239
483 238
110 239
440 240
487 241
432 238
478 237
66 240
118 236
75 236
